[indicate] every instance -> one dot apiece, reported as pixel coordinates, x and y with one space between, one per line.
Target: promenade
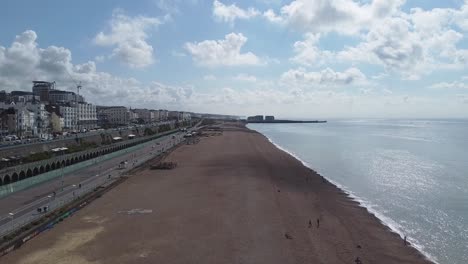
21 207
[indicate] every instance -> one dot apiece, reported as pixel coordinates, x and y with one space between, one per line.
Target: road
21 207
5 145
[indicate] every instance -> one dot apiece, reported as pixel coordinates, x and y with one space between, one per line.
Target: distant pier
286 121
272 120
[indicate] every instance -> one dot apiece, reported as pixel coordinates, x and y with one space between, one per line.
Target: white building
40 122
25 122
69 116
154 115
185 116
163 115
143 114
116 115
87 117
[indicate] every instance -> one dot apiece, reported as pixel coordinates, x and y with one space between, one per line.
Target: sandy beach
233 198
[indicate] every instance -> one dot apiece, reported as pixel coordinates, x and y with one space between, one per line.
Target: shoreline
384 220
234 197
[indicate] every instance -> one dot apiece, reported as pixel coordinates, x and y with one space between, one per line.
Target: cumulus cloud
411 44
326 78
225 52
271 16
308 53
229 13
406 47
343 16
128 36
24 61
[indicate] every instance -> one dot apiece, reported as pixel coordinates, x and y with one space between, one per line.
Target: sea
412 174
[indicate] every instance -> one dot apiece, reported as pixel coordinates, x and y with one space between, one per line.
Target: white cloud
245 77
326 78
307 52
271 16
225 52
24 61
209 77
229 13
409 48
343 16
129 37
450 85
410 44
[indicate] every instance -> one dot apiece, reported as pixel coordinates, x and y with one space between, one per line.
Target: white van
11 138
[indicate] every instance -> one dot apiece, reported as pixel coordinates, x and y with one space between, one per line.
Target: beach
233 198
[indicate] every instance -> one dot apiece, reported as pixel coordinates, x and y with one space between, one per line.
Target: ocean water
412 174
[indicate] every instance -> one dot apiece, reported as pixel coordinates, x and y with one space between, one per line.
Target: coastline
233 198
386 221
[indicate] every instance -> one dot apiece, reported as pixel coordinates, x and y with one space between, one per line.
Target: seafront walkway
21 208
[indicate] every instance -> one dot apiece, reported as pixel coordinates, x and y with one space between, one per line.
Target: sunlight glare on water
410 173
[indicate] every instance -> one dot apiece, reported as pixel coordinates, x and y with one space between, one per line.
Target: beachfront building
64 97
25 123
87 118
269 118
115 115
143 114
134 117
22 97
40 120
154 115
173 115
69 116
42 89
163 115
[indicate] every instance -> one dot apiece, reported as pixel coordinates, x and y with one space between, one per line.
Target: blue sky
299 58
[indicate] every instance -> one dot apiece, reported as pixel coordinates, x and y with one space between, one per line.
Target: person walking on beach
404 241
318 223
310 223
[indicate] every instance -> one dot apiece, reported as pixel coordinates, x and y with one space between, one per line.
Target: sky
292 59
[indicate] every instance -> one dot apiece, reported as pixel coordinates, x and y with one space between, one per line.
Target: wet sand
234 198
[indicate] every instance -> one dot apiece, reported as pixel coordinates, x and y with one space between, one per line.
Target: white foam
387 221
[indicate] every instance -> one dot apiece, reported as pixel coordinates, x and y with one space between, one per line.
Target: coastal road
21 207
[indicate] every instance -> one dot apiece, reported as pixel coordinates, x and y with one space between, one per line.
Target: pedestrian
318 223
404 241
79 185
358 260
310 223
109 176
